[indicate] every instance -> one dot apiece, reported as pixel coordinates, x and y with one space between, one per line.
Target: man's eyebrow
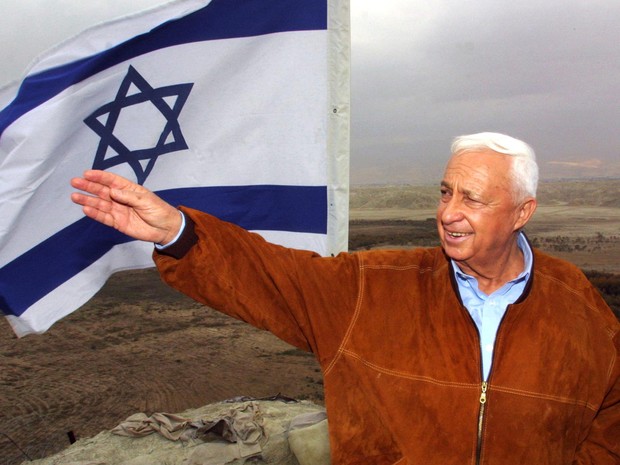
471 194
467 192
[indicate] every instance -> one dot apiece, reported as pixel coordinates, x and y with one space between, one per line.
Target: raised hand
126 206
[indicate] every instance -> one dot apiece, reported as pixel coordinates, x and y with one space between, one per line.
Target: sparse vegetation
559 243
609 286
368 234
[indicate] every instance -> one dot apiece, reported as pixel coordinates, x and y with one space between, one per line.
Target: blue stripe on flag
221 19
46 266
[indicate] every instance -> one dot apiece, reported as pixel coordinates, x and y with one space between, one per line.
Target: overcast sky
423 72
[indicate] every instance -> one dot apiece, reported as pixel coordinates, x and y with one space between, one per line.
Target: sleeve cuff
184 241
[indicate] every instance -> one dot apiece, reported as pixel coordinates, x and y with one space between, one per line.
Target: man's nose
451 210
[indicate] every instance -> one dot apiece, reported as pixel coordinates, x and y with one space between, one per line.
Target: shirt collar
528 259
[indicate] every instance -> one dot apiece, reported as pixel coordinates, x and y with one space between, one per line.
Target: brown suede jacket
401 356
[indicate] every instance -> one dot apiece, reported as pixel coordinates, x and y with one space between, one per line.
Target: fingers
132 209
95 196
94 189
113 181
90 201
106 191
93 184
99 183
107 186
100 216
107 179
95 208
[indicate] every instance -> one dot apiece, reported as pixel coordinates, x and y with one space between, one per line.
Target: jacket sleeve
602 444
303 298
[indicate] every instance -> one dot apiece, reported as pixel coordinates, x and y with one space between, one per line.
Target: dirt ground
139 346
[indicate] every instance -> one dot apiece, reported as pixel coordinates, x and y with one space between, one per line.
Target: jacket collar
528 284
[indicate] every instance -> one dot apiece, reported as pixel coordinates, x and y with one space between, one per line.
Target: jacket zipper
485 385
483 401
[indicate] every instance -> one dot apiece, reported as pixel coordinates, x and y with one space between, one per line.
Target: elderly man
481 351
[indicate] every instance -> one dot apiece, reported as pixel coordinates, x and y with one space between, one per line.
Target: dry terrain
139 346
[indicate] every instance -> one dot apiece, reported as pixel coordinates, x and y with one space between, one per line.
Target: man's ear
526 210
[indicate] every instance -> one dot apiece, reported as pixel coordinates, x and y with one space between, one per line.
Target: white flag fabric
236 107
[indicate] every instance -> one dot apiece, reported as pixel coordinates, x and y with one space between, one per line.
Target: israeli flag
235 107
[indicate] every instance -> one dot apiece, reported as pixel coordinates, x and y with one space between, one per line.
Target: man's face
477 216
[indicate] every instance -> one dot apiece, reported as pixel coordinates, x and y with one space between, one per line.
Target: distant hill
595 193
386 197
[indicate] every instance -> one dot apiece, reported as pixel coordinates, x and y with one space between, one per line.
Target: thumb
126 197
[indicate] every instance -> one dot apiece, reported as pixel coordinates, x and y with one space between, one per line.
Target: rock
306 421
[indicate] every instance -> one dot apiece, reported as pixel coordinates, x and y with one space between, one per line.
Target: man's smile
458 234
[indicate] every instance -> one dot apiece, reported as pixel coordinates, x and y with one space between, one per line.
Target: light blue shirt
487 311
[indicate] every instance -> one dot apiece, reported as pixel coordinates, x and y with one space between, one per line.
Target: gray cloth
241 427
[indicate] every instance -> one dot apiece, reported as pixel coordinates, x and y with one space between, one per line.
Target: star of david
168 100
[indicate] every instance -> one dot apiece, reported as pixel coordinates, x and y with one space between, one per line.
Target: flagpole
338 138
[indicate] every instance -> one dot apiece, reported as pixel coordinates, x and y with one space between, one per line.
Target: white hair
524 166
